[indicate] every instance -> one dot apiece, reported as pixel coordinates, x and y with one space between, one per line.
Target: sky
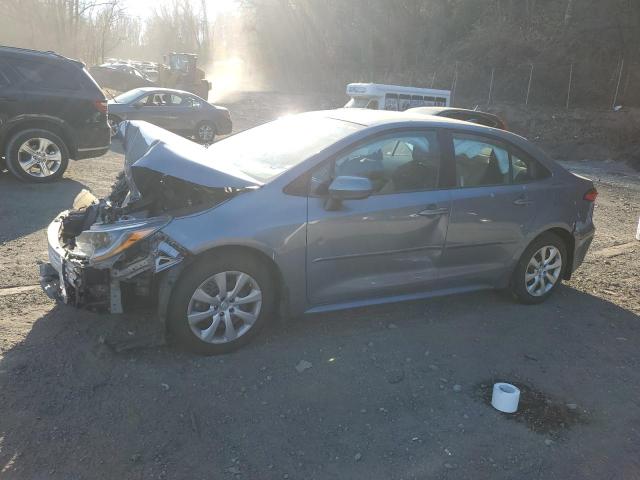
144 8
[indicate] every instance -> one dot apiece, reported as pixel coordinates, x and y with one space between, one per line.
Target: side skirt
396 298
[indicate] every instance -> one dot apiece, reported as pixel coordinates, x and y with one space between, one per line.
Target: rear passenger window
525 169
482 162
47 75
479 162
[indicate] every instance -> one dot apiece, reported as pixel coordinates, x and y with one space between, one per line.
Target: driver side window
394 164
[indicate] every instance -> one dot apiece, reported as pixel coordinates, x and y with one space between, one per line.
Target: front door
389 243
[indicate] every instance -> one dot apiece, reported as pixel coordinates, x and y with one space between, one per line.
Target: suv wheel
540 269
37 155
221 304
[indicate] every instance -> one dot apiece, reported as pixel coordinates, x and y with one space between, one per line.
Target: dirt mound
578 134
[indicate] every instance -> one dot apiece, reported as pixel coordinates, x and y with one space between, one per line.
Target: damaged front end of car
111 255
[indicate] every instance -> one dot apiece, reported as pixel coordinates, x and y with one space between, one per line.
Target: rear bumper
582 242
93 140
224 126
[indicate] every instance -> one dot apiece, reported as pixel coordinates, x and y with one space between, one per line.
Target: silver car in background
175 110
317 212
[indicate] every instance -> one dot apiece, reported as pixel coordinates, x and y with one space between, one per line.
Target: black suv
51 110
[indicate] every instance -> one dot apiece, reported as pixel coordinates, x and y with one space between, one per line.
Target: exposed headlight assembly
102 242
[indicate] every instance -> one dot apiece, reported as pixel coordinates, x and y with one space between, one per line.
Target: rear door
390 243
491 211
183 111
11 95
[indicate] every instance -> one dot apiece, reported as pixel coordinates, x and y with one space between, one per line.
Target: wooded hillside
331 42
541 52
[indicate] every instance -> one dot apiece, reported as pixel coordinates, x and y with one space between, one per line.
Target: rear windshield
270 149
129 96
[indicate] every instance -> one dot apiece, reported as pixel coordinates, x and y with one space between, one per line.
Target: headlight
102 242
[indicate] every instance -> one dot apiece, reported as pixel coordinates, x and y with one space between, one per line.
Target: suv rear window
45 74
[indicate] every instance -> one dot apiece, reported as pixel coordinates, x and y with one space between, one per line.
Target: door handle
433 210
522 202
7 99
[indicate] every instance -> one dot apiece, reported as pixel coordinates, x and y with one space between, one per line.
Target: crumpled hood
150 150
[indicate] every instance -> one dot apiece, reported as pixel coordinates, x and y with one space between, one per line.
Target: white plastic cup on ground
505 397
638 230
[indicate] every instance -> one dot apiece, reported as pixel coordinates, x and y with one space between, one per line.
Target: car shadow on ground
389 389
29 207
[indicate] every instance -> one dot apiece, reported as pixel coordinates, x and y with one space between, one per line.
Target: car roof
16 51
370 118
163 90
439 110
375 118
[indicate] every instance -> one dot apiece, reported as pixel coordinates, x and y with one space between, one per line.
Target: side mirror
137 105
350 188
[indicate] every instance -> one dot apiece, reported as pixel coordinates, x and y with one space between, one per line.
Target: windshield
270 149
127 97
358 102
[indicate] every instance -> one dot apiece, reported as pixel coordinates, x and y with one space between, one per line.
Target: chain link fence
564 85
579 84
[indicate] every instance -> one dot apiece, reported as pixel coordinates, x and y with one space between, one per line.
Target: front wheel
540 269
221 304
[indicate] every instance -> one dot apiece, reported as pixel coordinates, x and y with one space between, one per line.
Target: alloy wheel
39 157
543 270
224 307
206 133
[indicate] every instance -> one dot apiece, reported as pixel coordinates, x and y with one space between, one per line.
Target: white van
393 97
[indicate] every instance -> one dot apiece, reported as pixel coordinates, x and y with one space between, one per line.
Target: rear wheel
220 305
37 155
205 132
540 269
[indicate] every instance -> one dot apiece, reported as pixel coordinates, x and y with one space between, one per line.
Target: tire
530 284
199 286
113 121
205 132
53 153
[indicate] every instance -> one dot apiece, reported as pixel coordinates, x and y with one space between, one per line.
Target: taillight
101 106
591 195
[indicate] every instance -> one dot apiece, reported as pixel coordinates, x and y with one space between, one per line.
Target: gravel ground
393 392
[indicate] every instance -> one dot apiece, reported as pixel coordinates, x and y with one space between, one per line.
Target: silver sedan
175 110
317 212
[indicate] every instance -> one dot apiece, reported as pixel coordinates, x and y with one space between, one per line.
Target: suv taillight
101 106
591 195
